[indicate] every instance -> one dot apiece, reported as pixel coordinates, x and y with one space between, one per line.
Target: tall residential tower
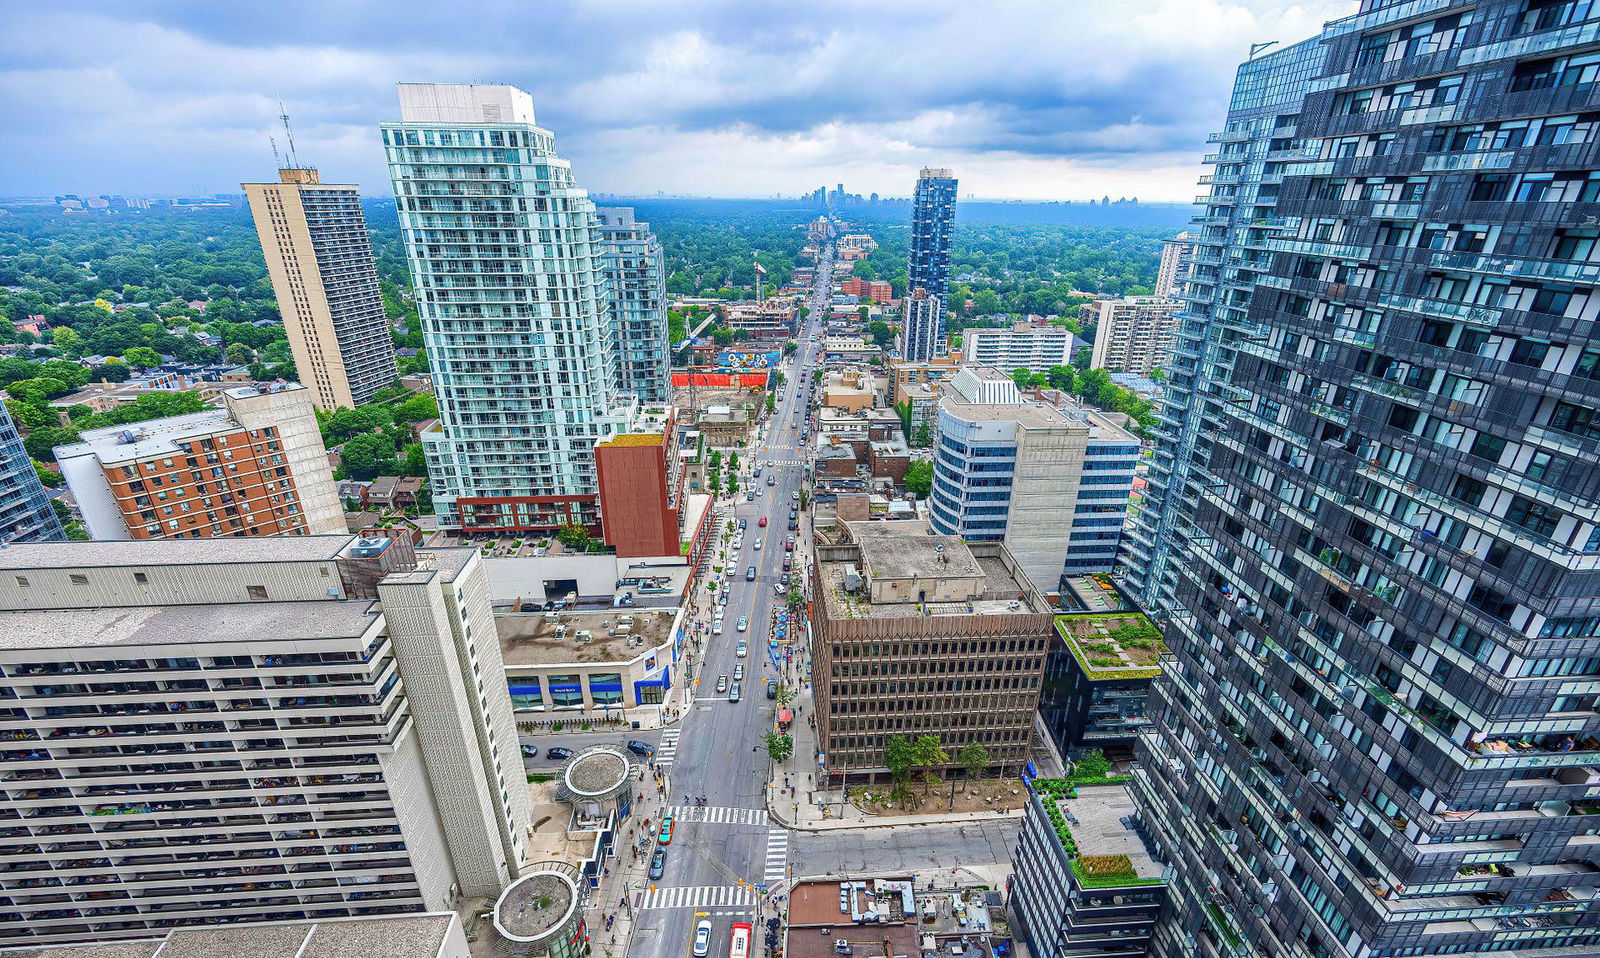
319 256
933 216
1380 734
636 283
503 248
26 514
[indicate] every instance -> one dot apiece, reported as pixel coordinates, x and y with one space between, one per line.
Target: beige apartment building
314 238
1134 334
254 467
251 730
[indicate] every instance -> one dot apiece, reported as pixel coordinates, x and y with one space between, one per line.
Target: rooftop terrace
1090 823
530 638
1120 646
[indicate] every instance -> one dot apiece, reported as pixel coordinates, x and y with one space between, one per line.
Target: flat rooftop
900 550
156 437
1031 414
186 624
526 638
134 552
1123 645
1096 820
400 936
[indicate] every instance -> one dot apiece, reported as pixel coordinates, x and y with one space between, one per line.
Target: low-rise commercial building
1050 481
1084 882
590 662
255 467
920 634
262 729
772 318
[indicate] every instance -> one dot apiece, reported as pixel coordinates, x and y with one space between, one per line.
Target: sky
1024 99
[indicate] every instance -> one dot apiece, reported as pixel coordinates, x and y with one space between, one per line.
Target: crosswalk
700 896
777 855
668 749
719 815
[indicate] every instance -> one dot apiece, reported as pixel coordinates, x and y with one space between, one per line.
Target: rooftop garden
1116 646
1091 871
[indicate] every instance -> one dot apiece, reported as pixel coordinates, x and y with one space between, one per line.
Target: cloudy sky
1045 99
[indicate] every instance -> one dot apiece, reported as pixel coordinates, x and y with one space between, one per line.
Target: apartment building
504 250
636 281
258 729
1380 735
1020 346
933 220
431 935
920 634
319 256
1230 252
1013 470
26 514
905 372
255 467
645 504
1134 334
1173 272
922 327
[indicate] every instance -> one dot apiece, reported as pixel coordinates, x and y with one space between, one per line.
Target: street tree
974 757
927 752
900 757
779 747
919 478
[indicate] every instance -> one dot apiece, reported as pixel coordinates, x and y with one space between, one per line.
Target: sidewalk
625 875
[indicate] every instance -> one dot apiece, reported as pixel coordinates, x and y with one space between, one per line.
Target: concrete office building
431 935
255 467
1380 734
636 280
922 327
26 514
1134 334
1230 252
1067 908
262 729
1022 346
1173 272
1050 482
504 253
314 238
921 634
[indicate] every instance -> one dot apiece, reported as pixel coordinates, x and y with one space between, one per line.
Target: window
1537 517
141 578
256 591
79 579
22 580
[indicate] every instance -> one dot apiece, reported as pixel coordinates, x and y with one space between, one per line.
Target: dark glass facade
933 215
1380 735
26 514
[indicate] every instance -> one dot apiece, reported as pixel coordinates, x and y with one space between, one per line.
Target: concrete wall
510 578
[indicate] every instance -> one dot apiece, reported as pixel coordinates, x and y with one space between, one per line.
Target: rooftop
1120 646
539 902
403 936
117 554
531 638
1093 818
901 550
976 579
186 624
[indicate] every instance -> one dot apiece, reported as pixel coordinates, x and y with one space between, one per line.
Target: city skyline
191 99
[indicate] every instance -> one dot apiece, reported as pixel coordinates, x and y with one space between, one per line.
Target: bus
739 944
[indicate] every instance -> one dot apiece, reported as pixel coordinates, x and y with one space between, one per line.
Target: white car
744 624
716 625
742 649
702 938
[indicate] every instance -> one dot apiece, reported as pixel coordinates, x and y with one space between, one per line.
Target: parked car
658 863
722 684
772 691
558 754
795 495
530 751
716 625
789 546
738 671
641 749
794 525
750 496
664 837
742 522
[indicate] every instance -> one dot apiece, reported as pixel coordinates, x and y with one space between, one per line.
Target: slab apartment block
254 467
319 256
249 730
1134 334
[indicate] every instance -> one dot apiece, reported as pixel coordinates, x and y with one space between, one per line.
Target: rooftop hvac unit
585 636
561 631
852 579
367 547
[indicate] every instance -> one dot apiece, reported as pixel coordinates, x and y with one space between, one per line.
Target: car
785 579
795 495
757 545
558 754
722 684
658 863
772 691
750 573
788 546
794 525
794 513
759 493
641 749
738 671
757 473
722 597
769 463
664 837
742 649
742 522
777 588
733 693
702 938
763 522
772 481
716 625
744 623
788 563
750 496
530 751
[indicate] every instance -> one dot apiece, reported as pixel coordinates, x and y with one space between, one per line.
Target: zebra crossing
668 749
719 815
777 855
700 896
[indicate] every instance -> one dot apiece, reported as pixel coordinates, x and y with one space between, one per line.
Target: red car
763 522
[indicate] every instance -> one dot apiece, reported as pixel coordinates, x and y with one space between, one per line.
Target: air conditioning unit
584 635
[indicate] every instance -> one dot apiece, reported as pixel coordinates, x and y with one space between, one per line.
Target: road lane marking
719 815
777 861
699 896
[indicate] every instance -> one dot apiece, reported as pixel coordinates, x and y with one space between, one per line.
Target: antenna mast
288 133
277 163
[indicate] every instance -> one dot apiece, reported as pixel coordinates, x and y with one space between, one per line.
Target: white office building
503 247
1050 482
249 730
1021 346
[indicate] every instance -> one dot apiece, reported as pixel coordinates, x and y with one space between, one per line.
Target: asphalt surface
720 753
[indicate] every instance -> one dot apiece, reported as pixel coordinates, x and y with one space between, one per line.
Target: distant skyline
1025 100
